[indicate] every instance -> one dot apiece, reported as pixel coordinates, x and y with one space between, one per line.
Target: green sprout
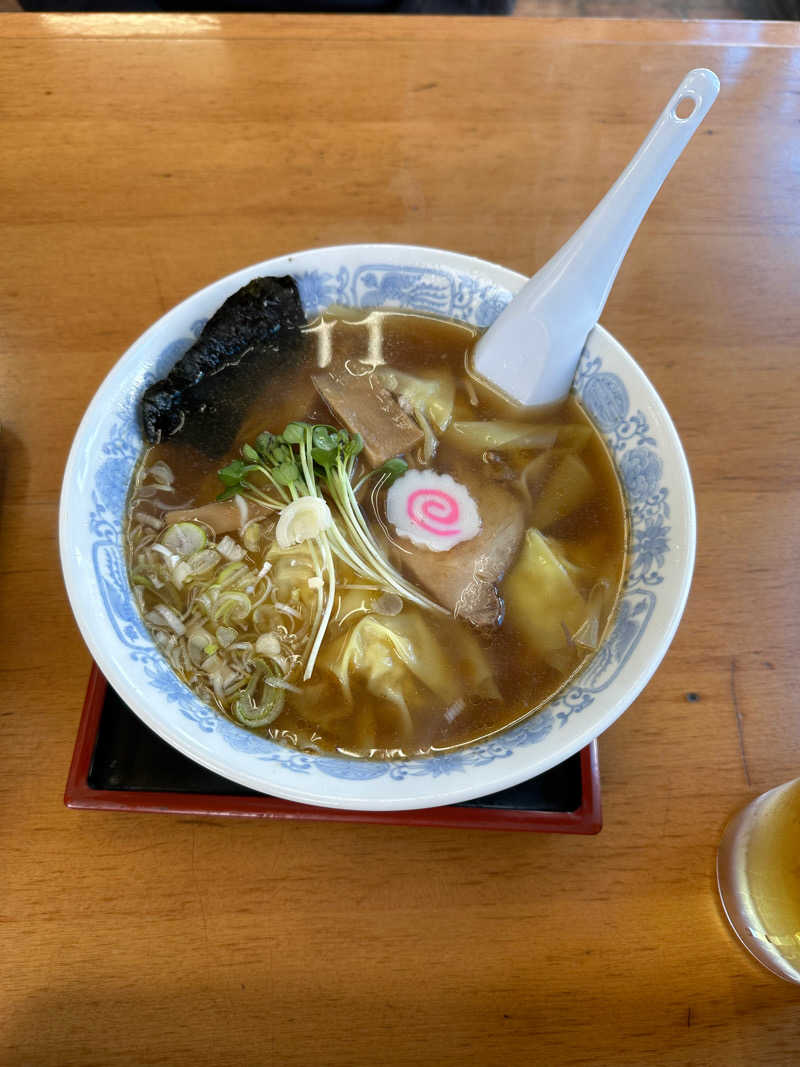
310 459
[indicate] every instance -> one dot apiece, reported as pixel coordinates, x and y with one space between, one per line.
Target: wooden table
143 157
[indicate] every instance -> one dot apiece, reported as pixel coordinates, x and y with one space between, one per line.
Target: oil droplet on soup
311 643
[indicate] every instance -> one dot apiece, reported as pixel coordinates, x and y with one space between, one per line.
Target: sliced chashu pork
366 408
464 579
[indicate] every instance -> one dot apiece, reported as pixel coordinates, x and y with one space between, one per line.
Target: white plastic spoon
532 349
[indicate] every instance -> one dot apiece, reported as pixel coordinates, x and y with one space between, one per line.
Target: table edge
445 28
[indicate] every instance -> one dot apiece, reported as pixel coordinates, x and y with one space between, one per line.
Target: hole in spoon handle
684 108
693 97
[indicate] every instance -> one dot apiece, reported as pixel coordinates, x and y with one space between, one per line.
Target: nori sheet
251 335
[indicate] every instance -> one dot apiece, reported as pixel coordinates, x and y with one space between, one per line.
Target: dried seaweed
203 397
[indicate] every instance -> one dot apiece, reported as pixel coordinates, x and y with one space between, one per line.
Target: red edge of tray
587 819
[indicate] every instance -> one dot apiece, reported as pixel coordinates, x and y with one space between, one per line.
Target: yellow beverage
758 870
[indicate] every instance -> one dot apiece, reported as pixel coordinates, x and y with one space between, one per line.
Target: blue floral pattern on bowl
475 301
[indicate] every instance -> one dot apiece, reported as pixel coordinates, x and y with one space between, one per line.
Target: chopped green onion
184 538
232 606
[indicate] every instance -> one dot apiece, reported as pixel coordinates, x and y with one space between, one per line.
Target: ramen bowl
613 389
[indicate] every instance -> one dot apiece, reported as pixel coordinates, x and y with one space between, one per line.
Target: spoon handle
532 349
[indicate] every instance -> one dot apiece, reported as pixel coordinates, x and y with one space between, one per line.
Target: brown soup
526 600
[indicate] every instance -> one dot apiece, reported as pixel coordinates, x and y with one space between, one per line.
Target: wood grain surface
144 157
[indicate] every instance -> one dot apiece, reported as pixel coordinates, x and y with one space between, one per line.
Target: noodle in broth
466 639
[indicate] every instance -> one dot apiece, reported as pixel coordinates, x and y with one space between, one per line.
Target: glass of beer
758 873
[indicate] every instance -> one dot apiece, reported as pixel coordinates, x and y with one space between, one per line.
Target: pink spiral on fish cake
434 510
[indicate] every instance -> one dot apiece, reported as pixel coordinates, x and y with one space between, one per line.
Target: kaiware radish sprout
299 474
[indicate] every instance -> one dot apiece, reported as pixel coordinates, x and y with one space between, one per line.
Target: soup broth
500 624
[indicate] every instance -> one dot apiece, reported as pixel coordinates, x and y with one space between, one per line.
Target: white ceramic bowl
624 406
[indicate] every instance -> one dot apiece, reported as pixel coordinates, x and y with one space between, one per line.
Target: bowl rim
335 795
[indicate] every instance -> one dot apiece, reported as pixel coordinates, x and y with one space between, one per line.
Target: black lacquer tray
120 764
